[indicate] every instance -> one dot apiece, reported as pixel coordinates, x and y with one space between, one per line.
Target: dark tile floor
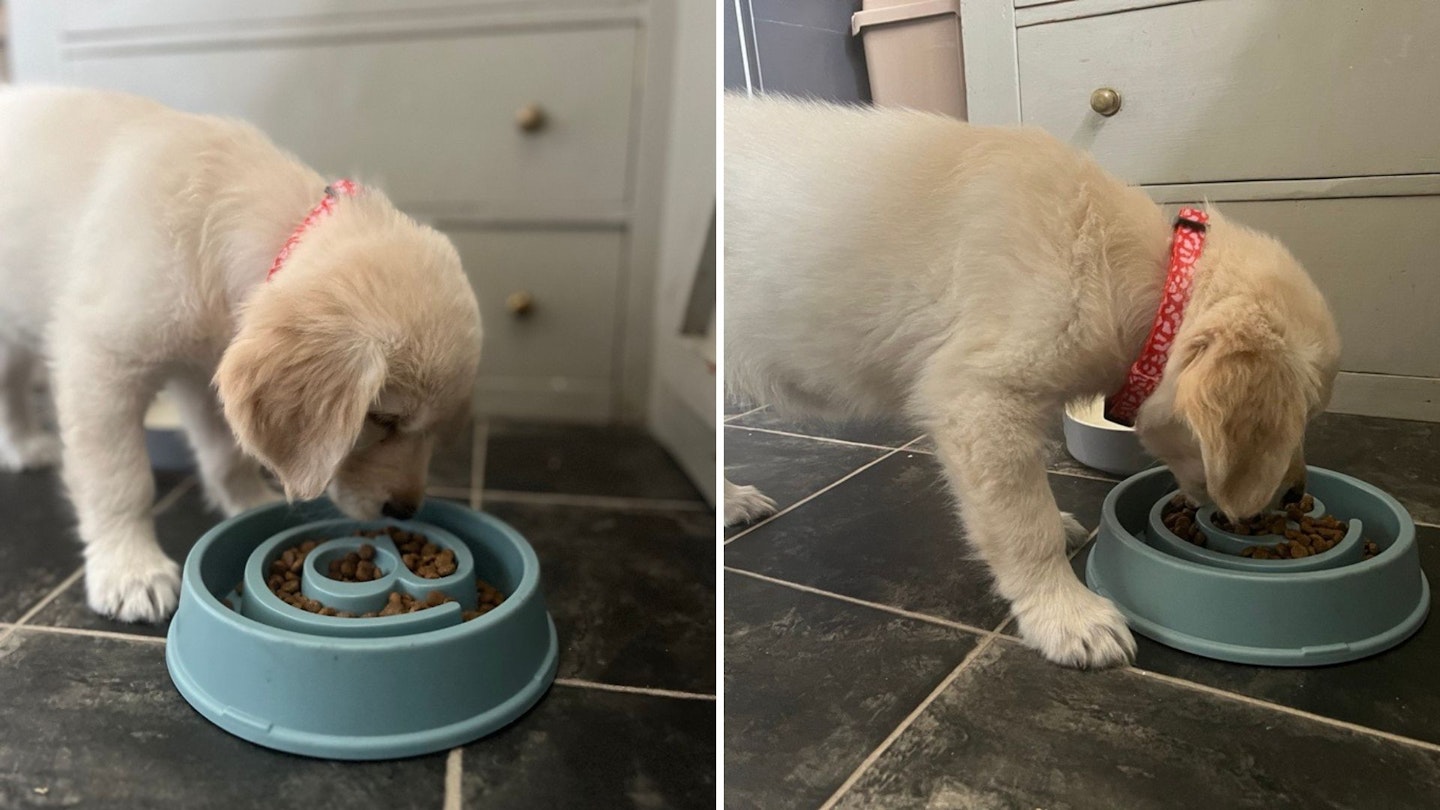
867 665
89 718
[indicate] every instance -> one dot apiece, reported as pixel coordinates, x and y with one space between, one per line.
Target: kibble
1302 535
421 556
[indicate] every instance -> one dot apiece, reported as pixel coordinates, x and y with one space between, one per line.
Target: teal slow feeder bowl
1329 608
360 688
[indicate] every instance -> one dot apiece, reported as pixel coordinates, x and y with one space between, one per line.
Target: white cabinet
1317 122
528 130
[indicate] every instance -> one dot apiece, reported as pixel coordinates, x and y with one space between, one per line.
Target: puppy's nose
1293 495
400 510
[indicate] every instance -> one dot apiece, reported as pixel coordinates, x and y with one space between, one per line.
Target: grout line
909 614
454 769
479 446
1427 525
732 417
837 482
1283 709
44 601
907 722
596 501
632 690
1083 476
828 439
85 631
170 498
160 506
561 499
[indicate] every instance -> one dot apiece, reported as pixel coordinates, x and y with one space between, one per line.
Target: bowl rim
1404 539
1075 411
524 591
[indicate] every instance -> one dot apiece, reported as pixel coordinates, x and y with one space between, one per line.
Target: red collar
322 209
1190 227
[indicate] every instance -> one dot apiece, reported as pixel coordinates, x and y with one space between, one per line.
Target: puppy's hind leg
746 504
101 400
991 444
24 443
233 482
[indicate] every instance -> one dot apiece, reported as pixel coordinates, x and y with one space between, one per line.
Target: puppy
135 245
976 279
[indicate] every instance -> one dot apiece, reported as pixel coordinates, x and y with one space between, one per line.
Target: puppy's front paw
132 586
746 504
1075 533
30 453
1074 627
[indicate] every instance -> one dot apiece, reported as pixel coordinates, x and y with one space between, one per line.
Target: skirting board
1385 395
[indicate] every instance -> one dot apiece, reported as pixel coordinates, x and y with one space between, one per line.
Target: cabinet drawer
433 120
1243 89
1374 258
571 279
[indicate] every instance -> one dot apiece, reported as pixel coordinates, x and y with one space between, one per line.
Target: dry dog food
357 566
417 553
1304 536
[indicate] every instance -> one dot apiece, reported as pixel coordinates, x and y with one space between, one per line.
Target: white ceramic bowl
1097 442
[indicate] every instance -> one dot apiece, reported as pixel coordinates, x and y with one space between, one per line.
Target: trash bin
913 54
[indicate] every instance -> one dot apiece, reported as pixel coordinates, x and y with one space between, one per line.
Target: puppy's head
1254 361
345 364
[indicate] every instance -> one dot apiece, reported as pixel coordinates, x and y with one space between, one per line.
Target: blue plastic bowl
355 688
1325 609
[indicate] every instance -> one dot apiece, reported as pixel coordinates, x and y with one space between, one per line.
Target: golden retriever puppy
137 245
884 262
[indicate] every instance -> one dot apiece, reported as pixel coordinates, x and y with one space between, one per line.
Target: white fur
134 244
974 280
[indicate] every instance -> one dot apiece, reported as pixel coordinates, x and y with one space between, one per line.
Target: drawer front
433 120
1374 258
1243 89
571 280
96 17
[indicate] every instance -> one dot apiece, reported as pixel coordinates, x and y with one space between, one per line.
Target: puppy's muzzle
1293 494
400 509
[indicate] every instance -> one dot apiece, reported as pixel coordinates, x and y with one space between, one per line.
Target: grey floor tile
1400 457
582 460
813 685
95 722
178 528
788 468
1393 691
1016 732
41 547
632 593
872 431
890 535
588 748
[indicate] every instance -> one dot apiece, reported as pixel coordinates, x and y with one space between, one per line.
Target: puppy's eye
387 421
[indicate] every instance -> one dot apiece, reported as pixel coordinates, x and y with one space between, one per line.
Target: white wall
682 394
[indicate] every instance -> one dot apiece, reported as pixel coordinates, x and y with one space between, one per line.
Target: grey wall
798 47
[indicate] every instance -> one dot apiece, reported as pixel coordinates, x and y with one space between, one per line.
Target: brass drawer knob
530 118
520 303
1105 101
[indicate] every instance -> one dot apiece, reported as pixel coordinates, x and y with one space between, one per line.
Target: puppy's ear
297 400
1242 398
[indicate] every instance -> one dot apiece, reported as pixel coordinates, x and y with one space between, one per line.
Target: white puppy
135 243
976 279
